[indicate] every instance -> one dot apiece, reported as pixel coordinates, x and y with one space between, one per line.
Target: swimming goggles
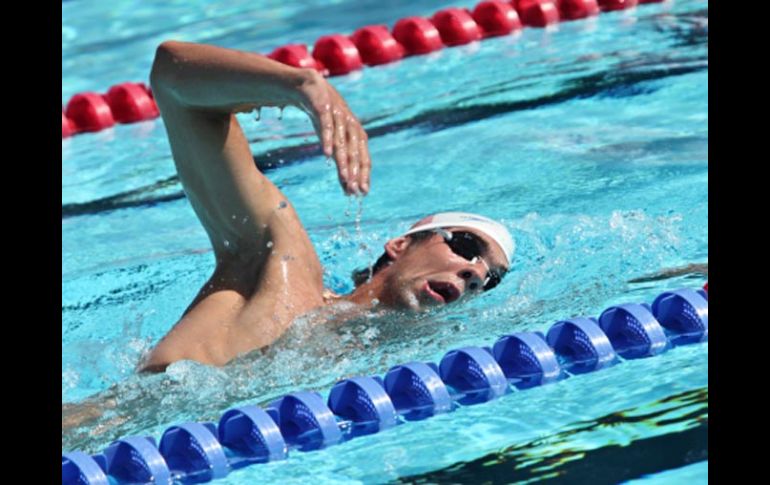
469 246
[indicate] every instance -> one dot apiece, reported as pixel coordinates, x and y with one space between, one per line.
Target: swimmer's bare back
267 271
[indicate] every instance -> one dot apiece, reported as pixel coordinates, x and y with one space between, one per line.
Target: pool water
588 141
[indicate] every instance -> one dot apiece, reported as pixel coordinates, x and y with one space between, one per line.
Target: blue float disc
582 344
472 370
192 449
305 420
78 468
684 313
137 459
363 400
633 331
252 433
417 391
527 358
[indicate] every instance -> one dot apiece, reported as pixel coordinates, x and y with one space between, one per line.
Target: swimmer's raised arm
199 88
227 81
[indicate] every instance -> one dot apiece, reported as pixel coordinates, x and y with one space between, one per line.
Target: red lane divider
338 54
89 112
609 5
496 17
371 45
537 13
456 26
376 45
131 102
417 35
577 9
297 55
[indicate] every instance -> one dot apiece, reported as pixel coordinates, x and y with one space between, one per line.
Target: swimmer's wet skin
255 293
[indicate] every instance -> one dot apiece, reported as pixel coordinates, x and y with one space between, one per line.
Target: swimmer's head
442 258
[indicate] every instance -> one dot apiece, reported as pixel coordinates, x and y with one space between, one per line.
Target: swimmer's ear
396 247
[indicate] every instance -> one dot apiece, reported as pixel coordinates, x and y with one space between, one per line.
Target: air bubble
269 244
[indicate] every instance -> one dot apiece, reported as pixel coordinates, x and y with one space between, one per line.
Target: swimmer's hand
340 132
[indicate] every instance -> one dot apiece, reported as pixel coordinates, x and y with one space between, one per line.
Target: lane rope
337 54
301 421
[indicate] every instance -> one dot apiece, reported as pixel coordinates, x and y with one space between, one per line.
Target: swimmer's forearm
204 76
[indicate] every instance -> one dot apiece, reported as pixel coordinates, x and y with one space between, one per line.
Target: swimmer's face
441 269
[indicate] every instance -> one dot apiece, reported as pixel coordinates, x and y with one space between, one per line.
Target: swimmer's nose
472 277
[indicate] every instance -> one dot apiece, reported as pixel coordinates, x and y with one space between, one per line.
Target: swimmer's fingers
340 148
366 162
353 130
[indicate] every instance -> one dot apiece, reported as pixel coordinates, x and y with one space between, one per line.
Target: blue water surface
589 141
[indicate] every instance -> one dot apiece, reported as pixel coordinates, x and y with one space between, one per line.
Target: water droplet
244 220
280 112
269 244
227 243
375 302
280 161
233 216
258 115
329 162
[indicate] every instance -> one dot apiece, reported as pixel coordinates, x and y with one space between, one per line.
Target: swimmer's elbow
163 73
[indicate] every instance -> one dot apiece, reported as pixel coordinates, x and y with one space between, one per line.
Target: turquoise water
589 142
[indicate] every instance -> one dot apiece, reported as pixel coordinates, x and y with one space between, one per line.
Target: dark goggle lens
469 246
466 245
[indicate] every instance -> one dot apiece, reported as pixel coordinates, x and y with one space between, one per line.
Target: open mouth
446 292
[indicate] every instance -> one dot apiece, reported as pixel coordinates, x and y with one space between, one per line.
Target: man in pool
267 272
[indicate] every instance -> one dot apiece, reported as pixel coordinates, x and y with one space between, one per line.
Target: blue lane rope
200 452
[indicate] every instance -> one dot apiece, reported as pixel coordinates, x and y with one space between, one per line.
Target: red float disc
577 9
376 45
617 4
89 112
131 103
456 26
296 55
496 17
417 35
338 54
537 13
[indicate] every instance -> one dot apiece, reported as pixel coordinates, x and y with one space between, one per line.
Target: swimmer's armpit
695 270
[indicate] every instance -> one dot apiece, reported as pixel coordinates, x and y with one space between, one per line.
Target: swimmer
267 272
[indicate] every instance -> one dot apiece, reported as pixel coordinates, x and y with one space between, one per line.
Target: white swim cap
491 228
